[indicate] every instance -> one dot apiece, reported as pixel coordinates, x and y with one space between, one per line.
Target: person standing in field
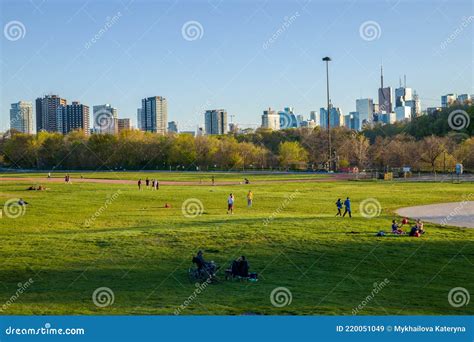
347 205
157 184
230 204
153 184
339 207
249 199
140 184
213 180
147 182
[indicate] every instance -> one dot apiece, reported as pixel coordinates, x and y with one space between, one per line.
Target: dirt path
458 214
45 180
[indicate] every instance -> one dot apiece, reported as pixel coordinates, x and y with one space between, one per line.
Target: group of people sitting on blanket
238 269
416 231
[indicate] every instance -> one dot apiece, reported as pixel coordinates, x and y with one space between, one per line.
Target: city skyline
265 55
153 115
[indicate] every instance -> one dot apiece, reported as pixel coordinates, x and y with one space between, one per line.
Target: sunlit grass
142 250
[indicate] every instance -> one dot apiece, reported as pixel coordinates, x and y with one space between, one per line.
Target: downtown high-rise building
21 117
387 118
72 117
463 99
313 115
105 119
406 97
173 127
335 117
385 96
415 106
153 116
215 121
46 117
352 121
448 100
402 113
288 118
365 108
124 124
271 119
402 95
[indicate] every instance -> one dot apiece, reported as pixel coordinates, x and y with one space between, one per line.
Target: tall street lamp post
327 60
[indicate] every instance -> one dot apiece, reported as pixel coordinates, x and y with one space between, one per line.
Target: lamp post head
326 59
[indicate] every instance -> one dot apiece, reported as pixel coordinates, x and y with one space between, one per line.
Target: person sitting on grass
235 268
202 264
396 228
420 226
339 207
417 229
240 267
199 258
243 267
414 232
22 202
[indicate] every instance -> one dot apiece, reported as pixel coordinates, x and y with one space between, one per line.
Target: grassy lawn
142 251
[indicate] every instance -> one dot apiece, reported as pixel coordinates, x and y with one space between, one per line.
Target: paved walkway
458 214
45 180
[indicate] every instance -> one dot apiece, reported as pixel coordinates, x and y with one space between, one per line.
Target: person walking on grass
139 184
230 204
147 182
153 184
249 199
213 180
339 207
157 184
347 205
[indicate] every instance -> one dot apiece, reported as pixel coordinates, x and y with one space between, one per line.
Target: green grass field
142 251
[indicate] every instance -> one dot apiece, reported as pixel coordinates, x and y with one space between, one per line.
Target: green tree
292 154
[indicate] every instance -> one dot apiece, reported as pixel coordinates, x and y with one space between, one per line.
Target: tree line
379 147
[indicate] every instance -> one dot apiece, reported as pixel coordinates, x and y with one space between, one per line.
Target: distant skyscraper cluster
401 105
54 114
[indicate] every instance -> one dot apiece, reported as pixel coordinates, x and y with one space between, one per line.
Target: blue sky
234 63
